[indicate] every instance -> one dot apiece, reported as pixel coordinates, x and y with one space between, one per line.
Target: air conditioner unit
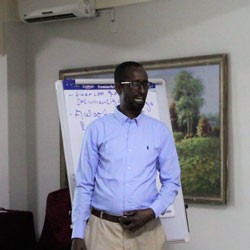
31 11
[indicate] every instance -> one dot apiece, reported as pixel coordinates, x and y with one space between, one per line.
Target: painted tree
173 116
187 95
204 129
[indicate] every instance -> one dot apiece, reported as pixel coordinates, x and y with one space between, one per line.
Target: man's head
131 83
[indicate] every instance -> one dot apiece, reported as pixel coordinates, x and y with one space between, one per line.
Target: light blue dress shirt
118 166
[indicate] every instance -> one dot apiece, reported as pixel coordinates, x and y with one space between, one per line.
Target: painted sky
209 76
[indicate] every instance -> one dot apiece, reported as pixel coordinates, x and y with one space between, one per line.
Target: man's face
132 99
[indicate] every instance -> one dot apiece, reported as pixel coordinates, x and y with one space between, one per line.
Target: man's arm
85 176
169 174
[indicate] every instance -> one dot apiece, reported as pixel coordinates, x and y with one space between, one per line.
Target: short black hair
121 70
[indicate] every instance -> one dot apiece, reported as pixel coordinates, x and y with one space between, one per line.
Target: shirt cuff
78 230
160 208
156 210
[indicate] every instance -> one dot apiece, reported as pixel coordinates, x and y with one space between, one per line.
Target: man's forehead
136 72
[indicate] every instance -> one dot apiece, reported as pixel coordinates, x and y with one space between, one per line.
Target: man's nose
142 89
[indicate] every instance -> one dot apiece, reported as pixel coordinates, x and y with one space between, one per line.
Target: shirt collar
123 118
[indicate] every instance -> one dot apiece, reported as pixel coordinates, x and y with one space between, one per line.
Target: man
117 204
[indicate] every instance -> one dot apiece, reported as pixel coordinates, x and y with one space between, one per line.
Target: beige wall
4 159
150 31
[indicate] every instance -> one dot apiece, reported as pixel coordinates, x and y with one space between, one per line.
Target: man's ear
118 88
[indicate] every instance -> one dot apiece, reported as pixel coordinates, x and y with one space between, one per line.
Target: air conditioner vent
50 18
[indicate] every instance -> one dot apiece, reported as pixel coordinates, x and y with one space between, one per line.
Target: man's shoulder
155 123
153 120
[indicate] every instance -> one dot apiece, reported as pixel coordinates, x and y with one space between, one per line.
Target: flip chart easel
80 101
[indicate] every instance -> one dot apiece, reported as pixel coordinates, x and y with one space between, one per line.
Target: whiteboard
80 101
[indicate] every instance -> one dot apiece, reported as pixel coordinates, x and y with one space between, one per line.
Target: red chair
56 233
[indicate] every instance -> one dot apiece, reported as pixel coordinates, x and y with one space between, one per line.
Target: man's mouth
139 100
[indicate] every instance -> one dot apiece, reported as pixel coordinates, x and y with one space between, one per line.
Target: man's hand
134 220
78 244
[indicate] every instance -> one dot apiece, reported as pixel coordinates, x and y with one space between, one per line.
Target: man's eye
136 84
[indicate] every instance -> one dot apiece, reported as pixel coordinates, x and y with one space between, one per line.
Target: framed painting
197 90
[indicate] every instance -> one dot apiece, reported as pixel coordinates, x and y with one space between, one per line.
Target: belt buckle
101 214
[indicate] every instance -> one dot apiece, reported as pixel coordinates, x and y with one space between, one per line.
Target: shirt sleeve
169 174
84 184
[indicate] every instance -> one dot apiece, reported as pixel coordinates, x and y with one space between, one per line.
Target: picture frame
197 90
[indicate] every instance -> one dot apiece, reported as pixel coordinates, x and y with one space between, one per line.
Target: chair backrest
56 233
16 230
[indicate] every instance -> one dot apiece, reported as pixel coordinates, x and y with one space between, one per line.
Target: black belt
105 216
